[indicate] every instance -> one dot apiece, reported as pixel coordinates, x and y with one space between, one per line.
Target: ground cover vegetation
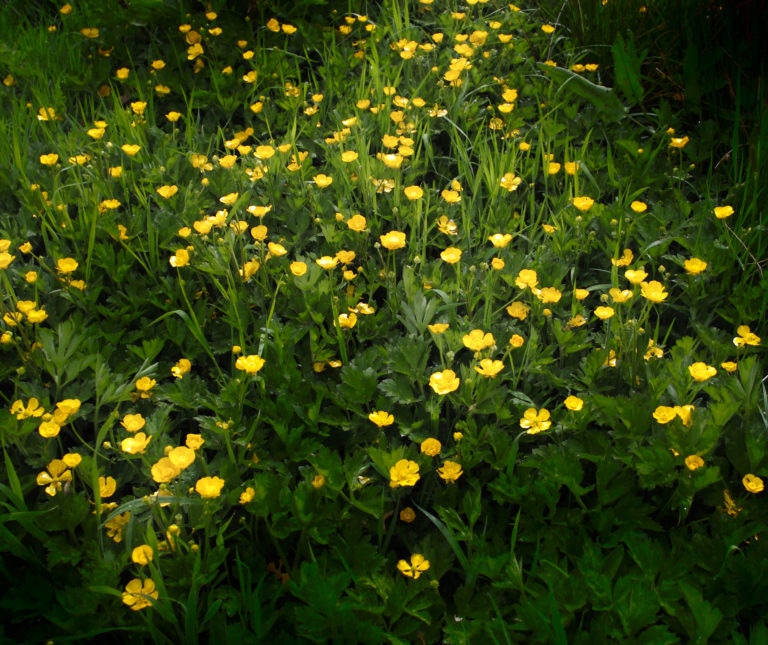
384 323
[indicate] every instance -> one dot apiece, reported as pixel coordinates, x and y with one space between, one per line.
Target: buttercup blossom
451 255
693 462
318 481
635 276
500 240
247 495
298 268
746 337
250 364
583 203
393 240
489 368
450 471
753 483
518 310
407 515
209 487
701 371
413 192
53 478
138 594
116 525
478 340
694 266
431 447
535 421
142 555
135 445
415 568
653 291
381 418
573 403
516 341
144 385
721 212
527 278
404 473
444 382
133 422
664 414
603 313
182 366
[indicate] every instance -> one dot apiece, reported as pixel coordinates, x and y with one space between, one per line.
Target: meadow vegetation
387 323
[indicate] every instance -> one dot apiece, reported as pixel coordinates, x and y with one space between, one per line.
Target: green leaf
603 98
626 64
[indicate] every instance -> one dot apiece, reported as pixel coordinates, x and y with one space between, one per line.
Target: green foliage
499 379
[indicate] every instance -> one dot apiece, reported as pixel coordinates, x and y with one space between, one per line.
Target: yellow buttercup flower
137 594
534 421
413 192
489 368
167 191
407 515
327 262
500 240
664 414
142 554
357 223
130 149
635 276
478 340
678 142
573 403
444 382
381 418
54 477
653 291
144 385
298 268
701 371
583 203
746 337
753 483
721 212
694 266
404 473
450 471
136 445
451 255
393 240
182 366
209 487
510 181
431 447
693 462
527 278
347 321
518 310
417 566
250 364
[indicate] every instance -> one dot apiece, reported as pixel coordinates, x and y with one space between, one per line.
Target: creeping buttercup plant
369 331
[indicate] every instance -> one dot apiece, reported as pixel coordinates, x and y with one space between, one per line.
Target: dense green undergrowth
401 328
